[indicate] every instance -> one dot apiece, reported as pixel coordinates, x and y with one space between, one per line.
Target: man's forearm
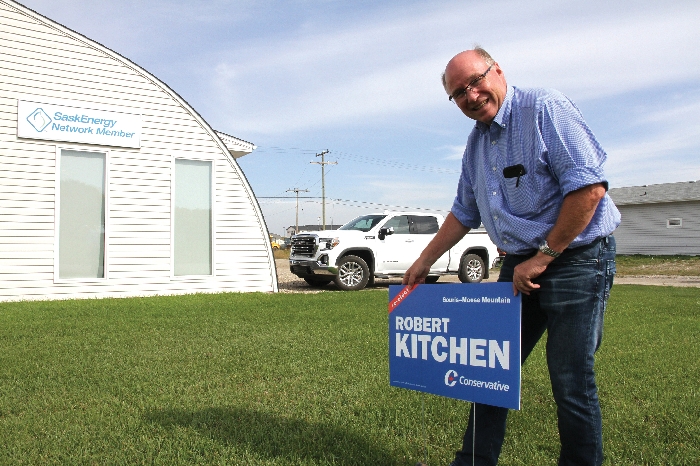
576 213
447 236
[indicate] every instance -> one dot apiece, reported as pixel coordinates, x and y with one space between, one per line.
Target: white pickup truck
383 246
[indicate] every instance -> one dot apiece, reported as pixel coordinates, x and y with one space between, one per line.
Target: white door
399 251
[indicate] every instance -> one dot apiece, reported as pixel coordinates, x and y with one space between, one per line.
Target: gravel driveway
290 283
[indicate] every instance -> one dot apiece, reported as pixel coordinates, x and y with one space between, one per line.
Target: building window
674 223
192 223
81 214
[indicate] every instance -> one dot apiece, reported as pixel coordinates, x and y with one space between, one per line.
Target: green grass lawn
638 264
281 253
293 379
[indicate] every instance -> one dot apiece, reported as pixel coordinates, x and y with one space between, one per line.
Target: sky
361 79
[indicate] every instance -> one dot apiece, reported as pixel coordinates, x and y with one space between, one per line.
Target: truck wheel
472 269
432 279
353 273
317 282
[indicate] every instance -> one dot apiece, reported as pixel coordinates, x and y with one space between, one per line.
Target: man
532 173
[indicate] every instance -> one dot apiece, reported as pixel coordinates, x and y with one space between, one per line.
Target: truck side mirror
384 232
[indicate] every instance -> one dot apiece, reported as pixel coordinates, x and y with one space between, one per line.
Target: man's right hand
449 234
416 273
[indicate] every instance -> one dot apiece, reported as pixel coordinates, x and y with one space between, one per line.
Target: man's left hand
525 272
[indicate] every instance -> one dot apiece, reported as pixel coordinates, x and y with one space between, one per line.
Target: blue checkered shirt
545 132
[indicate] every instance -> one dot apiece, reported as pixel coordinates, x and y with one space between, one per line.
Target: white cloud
453 152
681 110
316 71
665 146
613 55
372 70
413 194
662 159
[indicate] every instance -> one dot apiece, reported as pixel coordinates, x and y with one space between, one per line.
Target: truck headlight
327 243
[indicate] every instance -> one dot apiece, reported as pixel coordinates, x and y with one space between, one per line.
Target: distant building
661 219
303 228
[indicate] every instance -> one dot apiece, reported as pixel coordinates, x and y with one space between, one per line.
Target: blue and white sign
457 340
71 123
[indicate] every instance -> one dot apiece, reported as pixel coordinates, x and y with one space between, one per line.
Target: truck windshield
364 223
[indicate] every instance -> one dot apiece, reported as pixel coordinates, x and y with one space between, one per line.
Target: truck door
412 233
394 248
423 229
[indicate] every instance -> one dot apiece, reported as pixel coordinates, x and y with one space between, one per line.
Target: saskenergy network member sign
457 340
71 123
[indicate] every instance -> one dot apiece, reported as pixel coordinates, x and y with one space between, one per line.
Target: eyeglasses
461 93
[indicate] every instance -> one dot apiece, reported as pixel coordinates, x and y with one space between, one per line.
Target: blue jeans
569 304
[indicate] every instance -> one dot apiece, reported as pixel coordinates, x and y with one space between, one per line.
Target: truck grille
303 246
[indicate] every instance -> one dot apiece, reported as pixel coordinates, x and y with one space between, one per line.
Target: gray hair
482 53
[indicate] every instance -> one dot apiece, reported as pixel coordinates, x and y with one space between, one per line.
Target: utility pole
323 164
297 191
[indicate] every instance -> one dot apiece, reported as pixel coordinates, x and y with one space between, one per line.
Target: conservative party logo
39 119
451 378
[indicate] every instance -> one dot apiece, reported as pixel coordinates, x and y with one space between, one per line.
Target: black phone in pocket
514 171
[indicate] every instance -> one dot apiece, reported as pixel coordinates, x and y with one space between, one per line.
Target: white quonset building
661 219
111 185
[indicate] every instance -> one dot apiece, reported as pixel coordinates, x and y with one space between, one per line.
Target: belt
605 239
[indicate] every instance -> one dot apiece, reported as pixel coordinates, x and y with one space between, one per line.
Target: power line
362 159
355 203
368 204
395 164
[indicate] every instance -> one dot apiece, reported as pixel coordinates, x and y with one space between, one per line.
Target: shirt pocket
523 197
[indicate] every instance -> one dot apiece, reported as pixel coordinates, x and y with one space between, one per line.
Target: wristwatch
544 247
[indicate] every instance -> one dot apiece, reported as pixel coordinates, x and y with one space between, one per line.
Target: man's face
483 101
